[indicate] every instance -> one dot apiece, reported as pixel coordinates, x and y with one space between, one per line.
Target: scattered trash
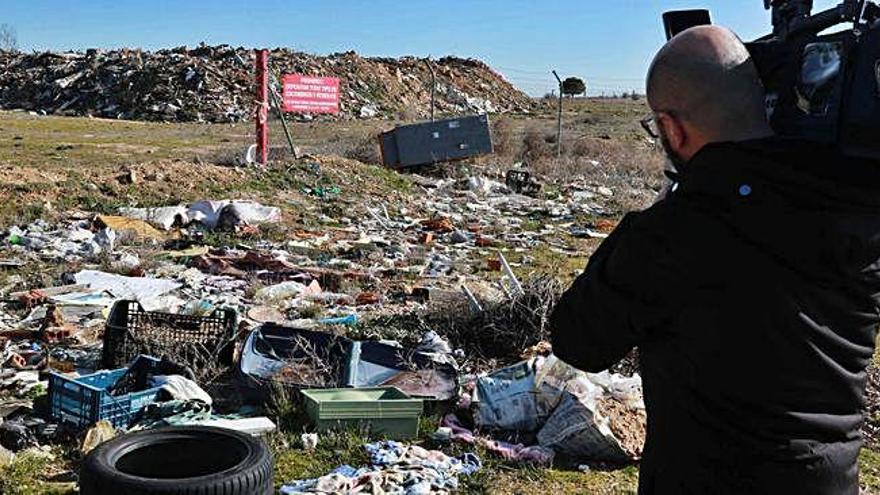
534 454
396 468
589 233
587 416
252 426
180 388
147 291
129 229
313 304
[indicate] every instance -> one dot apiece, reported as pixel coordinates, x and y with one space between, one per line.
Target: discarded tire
182 460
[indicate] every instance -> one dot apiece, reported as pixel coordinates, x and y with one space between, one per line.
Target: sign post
262 112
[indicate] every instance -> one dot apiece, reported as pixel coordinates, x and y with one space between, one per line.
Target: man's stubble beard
677 162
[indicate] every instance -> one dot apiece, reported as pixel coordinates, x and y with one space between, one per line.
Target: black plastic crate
130 331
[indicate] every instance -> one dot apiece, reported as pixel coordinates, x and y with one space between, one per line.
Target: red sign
307 94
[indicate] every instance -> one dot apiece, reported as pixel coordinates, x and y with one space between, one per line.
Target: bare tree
8 38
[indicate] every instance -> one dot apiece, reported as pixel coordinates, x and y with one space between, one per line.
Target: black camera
824 87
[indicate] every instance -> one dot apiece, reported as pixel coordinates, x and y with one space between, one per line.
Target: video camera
821 87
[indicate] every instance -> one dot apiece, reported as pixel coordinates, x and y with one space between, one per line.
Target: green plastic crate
385 410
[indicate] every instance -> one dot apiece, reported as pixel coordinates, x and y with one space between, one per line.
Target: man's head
704 88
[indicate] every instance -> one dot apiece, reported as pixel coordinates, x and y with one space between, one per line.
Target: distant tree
8 38
573 86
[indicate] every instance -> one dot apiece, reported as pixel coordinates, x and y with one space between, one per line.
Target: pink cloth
515 452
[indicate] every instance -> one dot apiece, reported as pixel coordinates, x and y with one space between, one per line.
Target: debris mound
215 83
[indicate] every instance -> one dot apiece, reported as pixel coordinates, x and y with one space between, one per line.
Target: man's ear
675 133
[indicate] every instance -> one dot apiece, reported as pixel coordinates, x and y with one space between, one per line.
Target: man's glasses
649 124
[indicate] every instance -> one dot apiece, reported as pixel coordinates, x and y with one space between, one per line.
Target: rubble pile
215 83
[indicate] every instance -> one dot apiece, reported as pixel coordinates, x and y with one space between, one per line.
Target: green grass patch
25 476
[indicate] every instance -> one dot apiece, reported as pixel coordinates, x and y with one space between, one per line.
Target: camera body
820 87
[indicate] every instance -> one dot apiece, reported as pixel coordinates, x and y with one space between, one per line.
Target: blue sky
609 43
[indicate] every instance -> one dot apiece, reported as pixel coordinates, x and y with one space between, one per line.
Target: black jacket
752 293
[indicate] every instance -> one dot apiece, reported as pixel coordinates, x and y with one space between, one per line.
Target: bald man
752 291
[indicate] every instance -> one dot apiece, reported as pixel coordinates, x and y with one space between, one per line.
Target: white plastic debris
279 292
208 213
145 290
369 111
180 388
161 217
252 426
309 440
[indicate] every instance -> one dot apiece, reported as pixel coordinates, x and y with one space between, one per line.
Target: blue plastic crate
83 401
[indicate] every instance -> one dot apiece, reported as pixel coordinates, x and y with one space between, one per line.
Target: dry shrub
535 145
616 154
504 137
225 157
365 151
498 335
281 153
203 360
308 365
409 114
618 160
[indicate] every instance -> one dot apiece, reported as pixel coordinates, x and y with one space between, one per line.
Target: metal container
439 141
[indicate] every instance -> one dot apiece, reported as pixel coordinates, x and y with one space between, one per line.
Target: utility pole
559 118
433 84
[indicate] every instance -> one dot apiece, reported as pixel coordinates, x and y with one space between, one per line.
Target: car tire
179 460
